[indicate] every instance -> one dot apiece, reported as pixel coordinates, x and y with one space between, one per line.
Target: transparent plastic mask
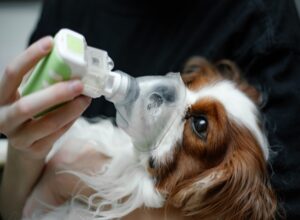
150 108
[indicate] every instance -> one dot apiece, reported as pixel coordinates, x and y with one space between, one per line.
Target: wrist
23 157
20 175
21 171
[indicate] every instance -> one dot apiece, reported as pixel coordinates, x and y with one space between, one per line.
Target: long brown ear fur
238 188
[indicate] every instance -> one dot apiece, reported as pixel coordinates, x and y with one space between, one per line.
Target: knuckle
10 71
31 53
22 109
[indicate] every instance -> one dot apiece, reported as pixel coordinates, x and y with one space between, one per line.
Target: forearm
19 177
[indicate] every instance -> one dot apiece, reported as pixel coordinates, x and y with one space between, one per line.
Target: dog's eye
199 125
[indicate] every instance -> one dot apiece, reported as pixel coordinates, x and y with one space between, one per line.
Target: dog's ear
197 71
237 188
196 64
230 71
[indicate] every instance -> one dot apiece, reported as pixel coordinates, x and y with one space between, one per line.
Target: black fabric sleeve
277 70
57 14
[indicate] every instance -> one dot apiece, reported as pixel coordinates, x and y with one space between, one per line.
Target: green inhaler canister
71 58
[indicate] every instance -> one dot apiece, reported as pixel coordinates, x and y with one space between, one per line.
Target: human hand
35 137
29 139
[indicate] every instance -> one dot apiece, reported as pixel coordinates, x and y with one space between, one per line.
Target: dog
211 165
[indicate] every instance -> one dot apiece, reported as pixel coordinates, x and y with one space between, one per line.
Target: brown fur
223 176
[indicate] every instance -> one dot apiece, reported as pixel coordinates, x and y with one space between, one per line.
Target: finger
42 147
29 106
15 71
37 129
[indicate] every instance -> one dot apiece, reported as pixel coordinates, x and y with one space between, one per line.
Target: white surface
17 21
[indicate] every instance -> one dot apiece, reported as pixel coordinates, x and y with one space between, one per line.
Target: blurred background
17 20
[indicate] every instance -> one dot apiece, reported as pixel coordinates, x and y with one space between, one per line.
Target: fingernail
46 43
75 86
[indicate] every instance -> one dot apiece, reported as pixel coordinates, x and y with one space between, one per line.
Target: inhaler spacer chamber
147 107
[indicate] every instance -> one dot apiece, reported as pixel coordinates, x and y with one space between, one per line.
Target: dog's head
213 163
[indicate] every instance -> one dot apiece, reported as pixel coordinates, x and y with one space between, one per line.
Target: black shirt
155 37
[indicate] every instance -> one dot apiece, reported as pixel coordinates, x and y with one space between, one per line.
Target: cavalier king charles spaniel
212 166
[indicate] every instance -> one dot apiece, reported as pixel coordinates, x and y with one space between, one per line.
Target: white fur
238 106
174 135
123 184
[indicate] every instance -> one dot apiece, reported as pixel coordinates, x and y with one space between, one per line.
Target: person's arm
19 176
31 140
81 156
